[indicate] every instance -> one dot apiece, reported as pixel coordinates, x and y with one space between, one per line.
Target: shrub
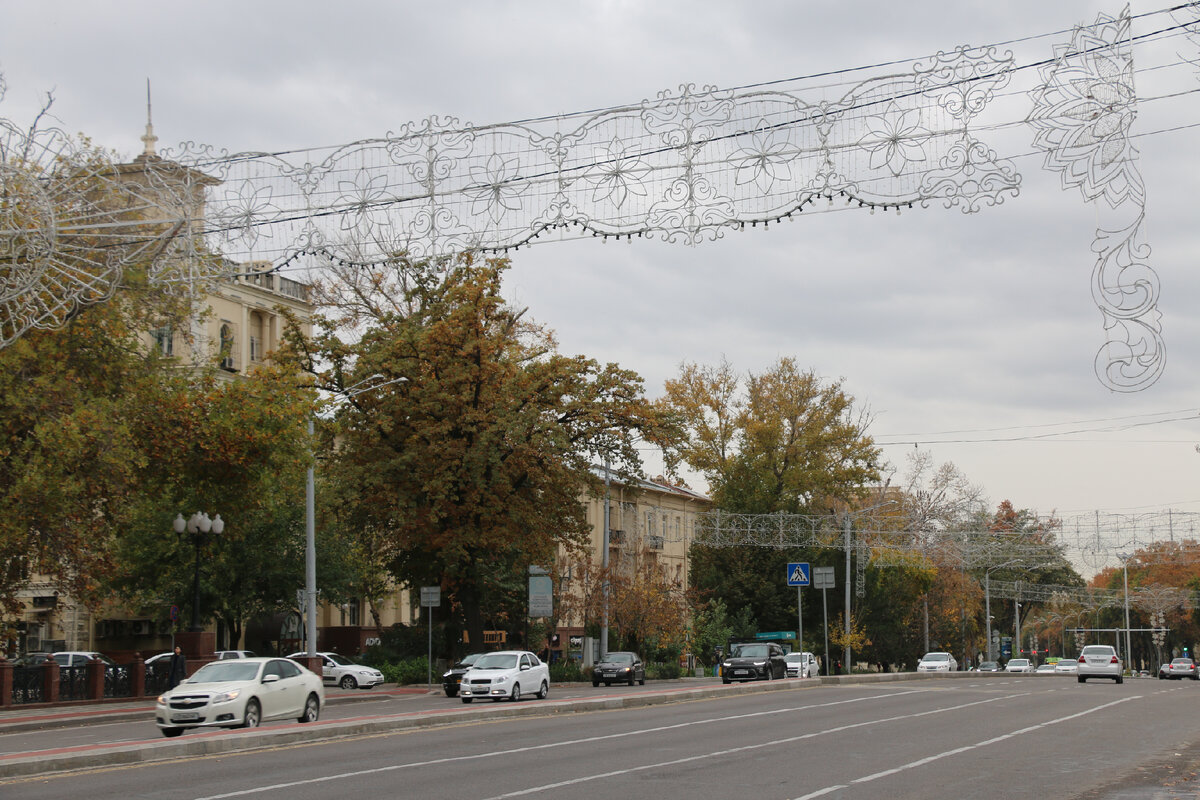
664 671
406 671
567 670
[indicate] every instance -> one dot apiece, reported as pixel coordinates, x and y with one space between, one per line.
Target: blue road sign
798 574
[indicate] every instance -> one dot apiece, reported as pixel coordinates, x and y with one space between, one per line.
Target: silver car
340 671
1099 661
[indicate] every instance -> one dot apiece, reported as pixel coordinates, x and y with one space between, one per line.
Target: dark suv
753 661
620 666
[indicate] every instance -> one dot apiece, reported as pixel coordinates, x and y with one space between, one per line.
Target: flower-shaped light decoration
766 159
246 211
364 199
496 187
895 139
617 175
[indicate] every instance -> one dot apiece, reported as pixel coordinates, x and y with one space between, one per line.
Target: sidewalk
60 715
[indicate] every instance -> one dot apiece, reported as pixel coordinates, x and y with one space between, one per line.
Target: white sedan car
341 671
240 693
937 662
505 674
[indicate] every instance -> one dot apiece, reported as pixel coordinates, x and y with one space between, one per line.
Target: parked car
226 654
802 665
79 658
989 666
240 693
1066 665
1181 668
752 661
619 666
1099 661
937 662
337 670
161 658
452 677
1018 665
505 674
31 660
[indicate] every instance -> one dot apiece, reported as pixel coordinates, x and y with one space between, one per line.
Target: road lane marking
958 750
587 740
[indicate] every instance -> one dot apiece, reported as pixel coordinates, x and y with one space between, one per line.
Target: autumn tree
783 440
472 466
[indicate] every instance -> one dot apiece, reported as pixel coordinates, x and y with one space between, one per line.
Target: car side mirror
270 678
524 668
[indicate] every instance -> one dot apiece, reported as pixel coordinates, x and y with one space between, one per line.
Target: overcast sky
972 336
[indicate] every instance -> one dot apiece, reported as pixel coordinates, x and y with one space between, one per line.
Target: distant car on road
1181 668
753 661
337 670
802 665
240 693
988 666
1099 661
452 677
937 662
1163 671
619 666
1044 669
1018 665
1066 665
505 675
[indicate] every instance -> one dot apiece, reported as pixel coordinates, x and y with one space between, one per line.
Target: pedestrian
178 668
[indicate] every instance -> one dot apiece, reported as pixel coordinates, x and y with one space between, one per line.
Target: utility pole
846 653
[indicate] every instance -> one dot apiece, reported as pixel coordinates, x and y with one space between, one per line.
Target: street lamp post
846 650
197 527
1125 569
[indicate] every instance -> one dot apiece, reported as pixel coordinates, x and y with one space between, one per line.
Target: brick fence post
50 678
6 682
95 679
137 676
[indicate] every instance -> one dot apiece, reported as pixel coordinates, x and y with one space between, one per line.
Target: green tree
473 467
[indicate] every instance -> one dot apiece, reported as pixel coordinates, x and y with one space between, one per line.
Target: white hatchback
240 693
506 674
341 671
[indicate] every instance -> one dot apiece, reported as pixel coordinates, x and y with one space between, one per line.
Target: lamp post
860 512
1125 569
310 521
197 527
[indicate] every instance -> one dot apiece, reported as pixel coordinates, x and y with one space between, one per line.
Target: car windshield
936 657
620 658
987 665
341 661
790 657
221 671
468 660
496 661
750 651
1019 662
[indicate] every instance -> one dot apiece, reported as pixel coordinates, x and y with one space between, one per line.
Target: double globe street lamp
197 527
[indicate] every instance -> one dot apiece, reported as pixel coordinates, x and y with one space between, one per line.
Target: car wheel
642 681
1120 679
725 681
632 680
348 682
595 684
171 733
312 709
451 693
608 683
516 693
544 691
253 715
467 699
1082 679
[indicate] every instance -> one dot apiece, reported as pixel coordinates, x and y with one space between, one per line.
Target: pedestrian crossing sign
798 574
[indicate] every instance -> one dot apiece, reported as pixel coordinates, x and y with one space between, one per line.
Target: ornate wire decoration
1083 112
684 167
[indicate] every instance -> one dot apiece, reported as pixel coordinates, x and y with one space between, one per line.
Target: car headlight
225 697
500 679
162 700
726 664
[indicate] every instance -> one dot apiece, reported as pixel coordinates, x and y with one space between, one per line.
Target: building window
227 343
164 340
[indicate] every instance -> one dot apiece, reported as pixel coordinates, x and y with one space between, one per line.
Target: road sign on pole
798 574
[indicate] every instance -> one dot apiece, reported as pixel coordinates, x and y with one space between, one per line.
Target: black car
753 661
620 666
452 677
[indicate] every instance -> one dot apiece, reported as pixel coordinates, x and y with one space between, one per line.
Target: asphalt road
996 736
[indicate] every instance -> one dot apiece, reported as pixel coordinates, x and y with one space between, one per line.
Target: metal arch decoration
684 167
1083 112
